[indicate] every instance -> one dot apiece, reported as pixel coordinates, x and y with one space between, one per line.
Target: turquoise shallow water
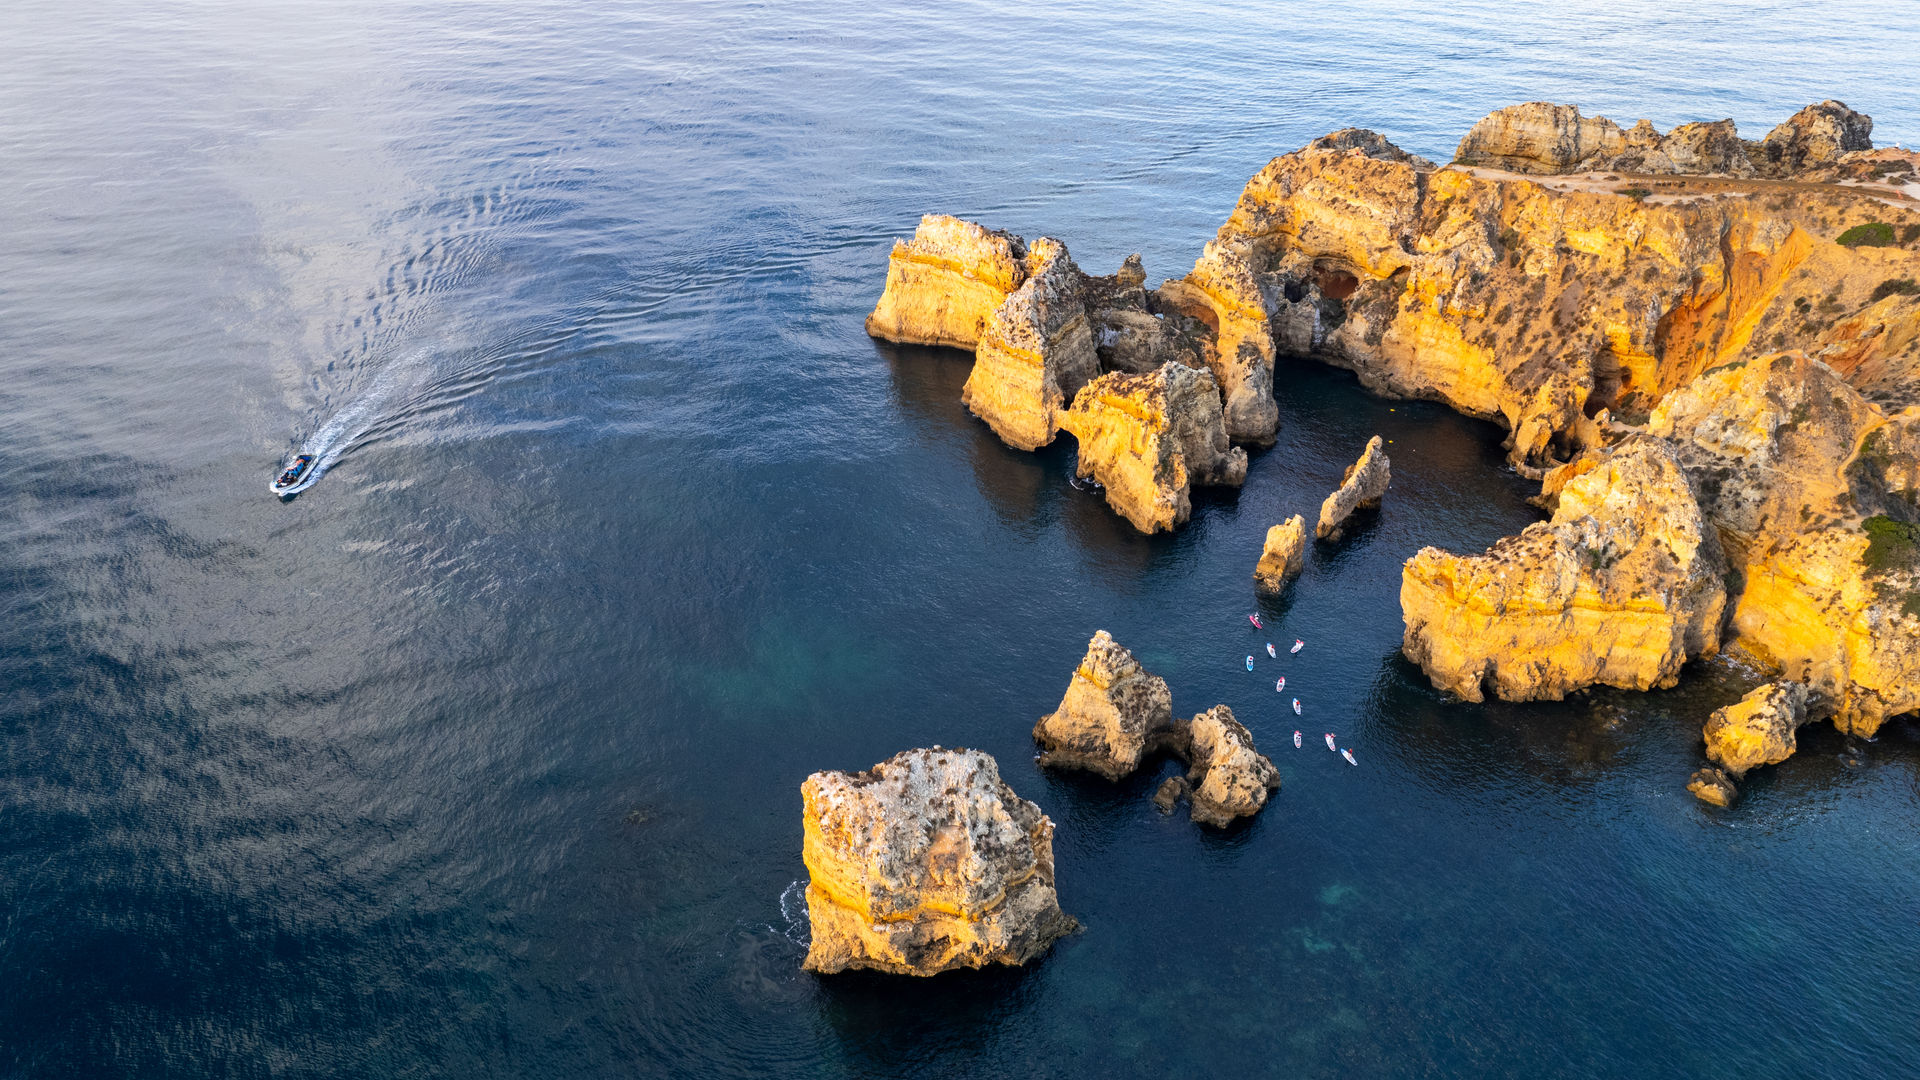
481 757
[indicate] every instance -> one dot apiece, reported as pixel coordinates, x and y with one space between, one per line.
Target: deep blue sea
481 757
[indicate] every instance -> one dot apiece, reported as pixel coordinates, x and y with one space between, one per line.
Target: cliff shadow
1024 489
893 1025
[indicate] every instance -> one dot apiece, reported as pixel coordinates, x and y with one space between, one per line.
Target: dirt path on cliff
1671 189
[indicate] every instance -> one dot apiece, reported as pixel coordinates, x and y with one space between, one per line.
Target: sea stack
1361 488
1148 439
926 863
1113 712
1281 558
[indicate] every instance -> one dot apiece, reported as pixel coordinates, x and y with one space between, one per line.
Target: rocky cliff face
1543 138
1113 712
1282 557
1622 587
1537 304
926 863
945 284
1148 439
1758 729
1229 778
1362 488
1814 490
1036 353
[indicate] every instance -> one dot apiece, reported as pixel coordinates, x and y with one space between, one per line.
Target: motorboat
294 476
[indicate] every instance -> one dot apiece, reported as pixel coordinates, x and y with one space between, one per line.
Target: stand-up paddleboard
1249 663
1271 651
1296 706
1297 645
1330 745
1281 686
1348 754
1255 620
1296 740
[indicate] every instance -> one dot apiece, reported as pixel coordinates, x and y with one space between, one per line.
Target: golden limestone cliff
1622 587
944 285
1362 488
1148 439
1758 729
1227 777
1282 557
926 863
1815 492
1036 353
1538 302
1543 138
1113 712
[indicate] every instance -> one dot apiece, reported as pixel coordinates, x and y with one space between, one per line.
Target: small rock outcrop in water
1758 729
1148 439
1362 488
1113 712
1620 588
1036 353
945 284
1282 557
926 863
1712 786
1230 778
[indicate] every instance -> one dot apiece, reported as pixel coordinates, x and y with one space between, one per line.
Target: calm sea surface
481 758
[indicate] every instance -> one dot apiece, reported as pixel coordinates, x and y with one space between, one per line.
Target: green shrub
1910 233
1905 286
1637 194
1891 545
1872 234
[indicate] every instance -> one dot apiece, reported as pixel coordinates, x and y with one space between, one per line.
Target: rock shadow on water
889 1025
1024 489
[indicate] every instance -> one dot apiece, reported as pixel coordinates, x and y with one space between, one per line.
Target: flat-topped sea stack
1282 557
1113 712
1758 729
1149 439
1623 586
926 863
945 284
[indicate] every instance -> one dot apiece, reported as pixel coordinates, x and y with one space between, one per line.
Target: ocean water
481 757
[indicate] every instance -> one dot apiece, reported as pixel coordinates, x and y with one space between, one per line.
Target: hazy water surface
481 757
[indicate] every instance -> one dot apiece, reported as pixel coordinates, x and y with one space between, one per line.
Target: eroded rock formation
1815 492
1621 587
1282 557
1362 488
1758 729
1713 786
1542 138
1230 779
1036 353
926 863
1113 712
945 284
1148 439
1540 304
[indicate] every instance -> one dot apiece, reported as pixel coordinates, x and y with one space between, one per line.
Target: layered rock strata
1623 586
1758 729
926 863
1815 492
1230 778
1114 711
1036 352
1282 557
1538 305
1361 489
945 284
1149 439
